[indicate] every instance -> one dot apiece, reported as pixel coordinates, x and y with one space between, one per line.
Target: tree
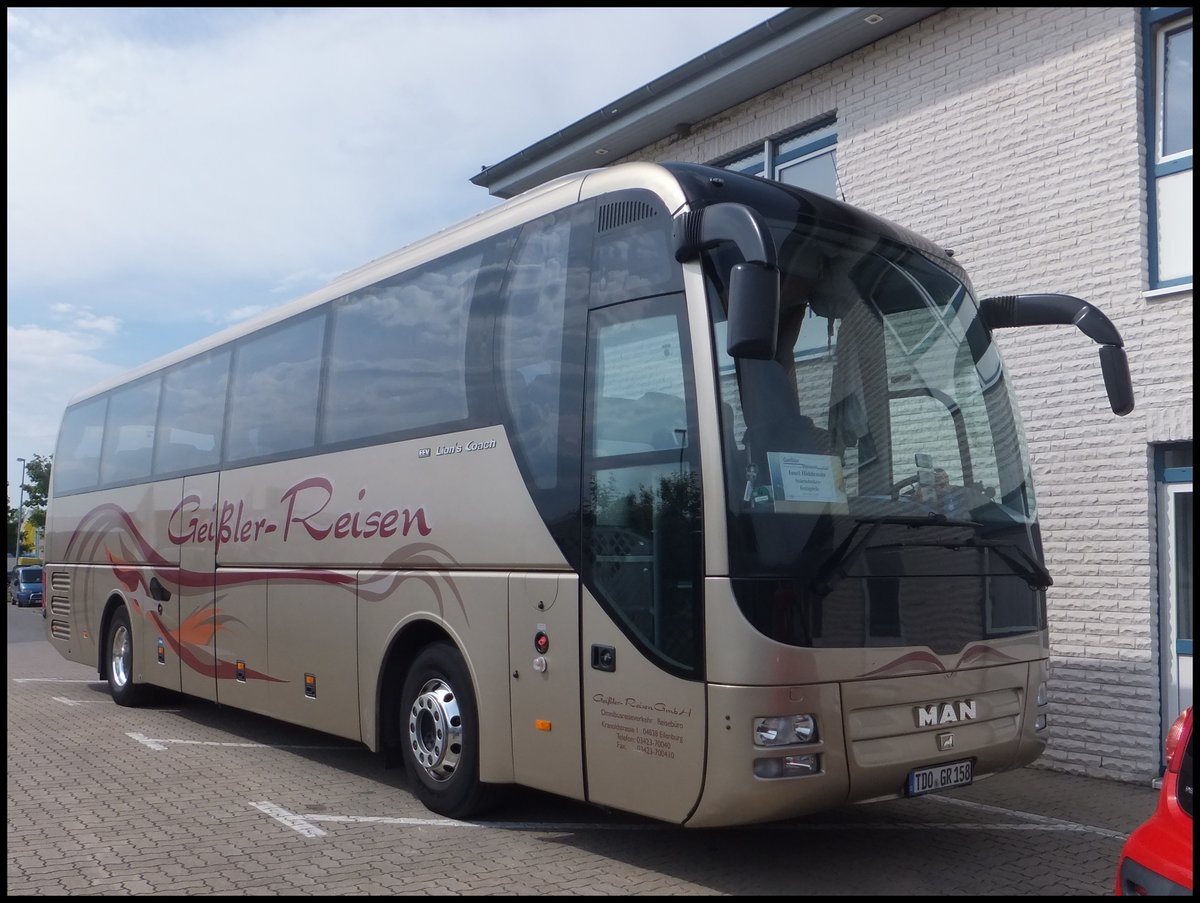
36 490
12 523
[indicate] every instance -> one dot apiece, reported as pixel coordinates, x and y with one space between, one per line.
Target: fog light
787 766
801 764
783 730
1039 723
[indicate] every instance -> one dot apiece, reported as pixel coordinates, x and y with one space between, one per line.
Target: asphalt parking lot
185 797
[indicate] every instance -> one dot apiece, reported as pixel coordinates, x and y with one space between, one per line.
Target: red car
1157 858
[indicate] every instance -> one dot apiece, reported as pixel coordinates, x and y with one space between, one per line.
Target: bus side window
77 460
192 416
632 256
129 435
398 353
273 396
531 343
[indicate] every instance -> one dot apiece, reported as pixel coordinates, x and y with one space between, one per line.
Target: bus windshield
882 442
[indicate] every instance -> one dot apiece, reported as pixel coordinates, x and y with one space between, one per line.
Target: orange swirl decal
199 660
109 533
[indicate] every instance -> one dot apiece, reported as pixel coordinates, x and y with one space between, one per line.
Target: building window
804 158
1168 43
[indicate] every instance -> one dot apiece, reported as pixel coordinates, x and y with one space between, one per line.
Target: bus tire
117 655
439 731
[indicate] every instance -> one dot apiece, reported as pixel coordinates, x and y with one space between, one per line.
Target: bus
661 488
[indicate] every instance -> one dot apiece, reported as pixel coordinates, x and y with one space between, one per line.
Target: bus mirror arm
753 304
1009 311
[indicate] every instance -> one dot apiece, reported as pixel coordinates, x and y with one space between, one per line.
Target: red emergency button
541 642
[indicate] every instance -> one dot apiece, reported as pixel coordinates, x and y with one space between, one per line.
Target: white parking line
304 823
162 744
295 822
451 823
142 738
58 680
1042 822
66 701
291 819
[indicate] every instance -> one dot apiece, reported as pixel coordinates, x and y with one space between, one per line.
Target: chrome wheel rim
435 730
122 656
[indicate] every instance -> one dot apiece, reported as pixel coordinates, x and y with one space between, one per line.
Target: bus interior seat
777 424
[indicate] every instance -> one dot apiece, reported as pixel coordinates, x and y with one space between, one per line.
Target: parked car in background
1157 858
26 586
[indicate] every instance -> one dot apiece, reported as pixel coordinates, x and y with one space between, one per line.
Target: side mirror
753 311
753 285
1043 310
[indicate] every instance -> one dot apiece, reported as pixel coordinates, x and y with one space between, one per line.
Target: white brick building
1032 142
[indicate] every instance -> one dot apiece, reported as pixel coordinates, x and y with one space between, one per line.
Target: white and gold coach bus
659 487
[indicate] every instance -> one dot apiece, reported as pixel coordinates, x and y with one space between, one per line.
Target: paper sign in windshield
807 484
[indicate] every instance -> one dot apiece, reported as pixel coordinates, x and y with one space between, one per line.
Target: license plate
939 777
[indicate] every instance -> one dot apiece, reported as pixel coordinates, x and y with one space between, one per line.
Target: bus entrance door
640 640
645 728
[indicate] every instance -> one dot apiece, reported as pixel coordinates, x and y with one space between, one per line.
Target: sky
172 172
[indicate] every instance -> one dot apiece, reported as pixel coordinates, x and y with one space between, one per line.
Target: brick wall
1014 136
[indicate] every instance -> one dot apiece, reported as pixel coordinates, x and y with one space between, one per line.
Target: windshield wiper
833 569
1023 564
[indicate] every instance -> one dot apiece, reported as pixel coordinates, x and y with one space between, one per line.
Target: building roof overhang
787 45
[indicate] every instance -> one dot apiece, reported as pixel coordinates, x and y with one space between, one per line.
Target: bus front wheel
439 729
118 661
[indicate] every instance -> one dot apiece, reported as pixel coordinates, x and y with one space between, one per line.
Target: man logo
945 713
945 742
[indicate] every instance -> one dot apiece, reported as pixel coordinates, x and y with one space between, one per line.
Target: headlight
784 730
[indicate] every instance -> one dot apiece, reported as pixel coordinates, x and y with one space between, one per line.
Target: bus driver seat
774 421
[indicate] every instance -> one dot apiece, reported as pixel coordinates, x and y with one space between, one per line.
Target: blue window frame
1167 44
805 158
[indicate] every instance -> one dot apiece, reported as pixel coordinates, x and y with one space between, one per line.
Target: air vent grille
622 213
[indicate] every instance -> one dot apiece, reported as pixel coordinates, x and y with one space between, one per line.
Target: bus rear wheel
439 730
118 662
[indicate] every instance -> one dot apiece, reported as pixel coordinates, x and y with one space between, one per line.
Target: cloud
172 171
299 141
